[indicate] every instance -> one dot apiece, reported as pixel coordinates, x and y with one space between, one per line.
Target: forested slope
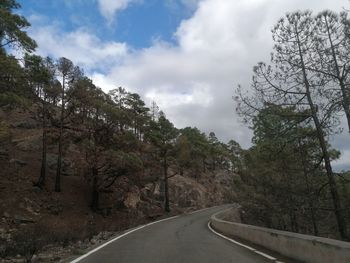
76 160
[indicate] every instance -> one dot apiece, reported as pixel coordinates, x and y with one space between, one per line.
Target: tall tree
138 112
120 97
199 146
235 153
41 75
105 157
163 135
290 82
285 158
183 150
69 74
154 111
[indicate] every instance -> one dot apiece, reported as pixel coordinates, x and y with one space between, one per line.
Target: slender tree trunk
311 201
290 199
166 186
42 178
59 158
309 190
95 193
332 184
313 217
321 137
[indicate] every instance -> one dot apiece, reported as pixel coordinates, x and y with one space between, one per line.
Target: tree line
296 103
116 132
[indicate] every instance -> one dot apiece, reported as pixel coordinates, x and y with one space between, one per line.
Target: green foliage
183 149
14 89
123 160
162 134
197 144
285 158
116 132
12 27
12 100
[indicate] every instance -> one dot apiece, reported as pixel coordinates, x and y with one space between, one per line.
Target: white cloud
217 46
192 80
109 8
81 46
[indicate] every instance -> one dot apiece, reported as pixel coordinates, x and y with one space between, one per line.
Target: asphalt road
185 239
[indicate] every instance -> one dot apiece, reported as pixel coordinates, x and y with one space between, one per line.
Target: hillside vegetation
79 163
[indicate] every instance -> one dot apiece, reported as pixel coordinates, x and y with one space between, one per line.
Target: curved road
185 239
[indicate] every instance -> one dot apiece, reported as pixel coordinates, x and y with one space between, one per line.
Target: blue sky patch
138 25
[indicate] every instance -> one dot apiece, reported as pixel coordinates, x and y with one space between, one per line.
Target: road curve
185 239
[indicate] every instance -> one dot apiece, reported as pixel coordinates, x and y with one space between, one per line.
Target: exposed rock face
132 198
207 190
186 192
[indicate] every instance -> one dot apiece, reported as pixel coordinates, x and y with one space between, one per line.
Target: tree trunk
59 159
321 137
309 190
95 194
42 178
311 201
166 186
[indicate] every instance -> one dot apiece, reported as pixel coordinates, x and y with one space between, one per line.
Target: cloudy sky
187 55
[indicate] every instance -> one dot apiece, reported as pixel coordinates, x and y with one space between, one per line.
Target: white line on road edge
118 237
242 245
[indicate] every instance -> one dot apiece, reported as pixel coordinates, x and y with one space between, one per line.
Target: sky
187 55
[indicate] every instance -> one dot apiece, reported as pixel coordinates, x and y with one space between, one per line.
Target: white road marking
119 237
242 245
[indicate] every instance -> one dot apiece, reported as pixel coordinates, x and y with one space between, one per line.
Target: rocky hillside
31 218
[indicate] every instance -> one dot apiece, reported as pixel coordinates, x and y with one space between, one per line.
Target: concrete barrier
300 247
